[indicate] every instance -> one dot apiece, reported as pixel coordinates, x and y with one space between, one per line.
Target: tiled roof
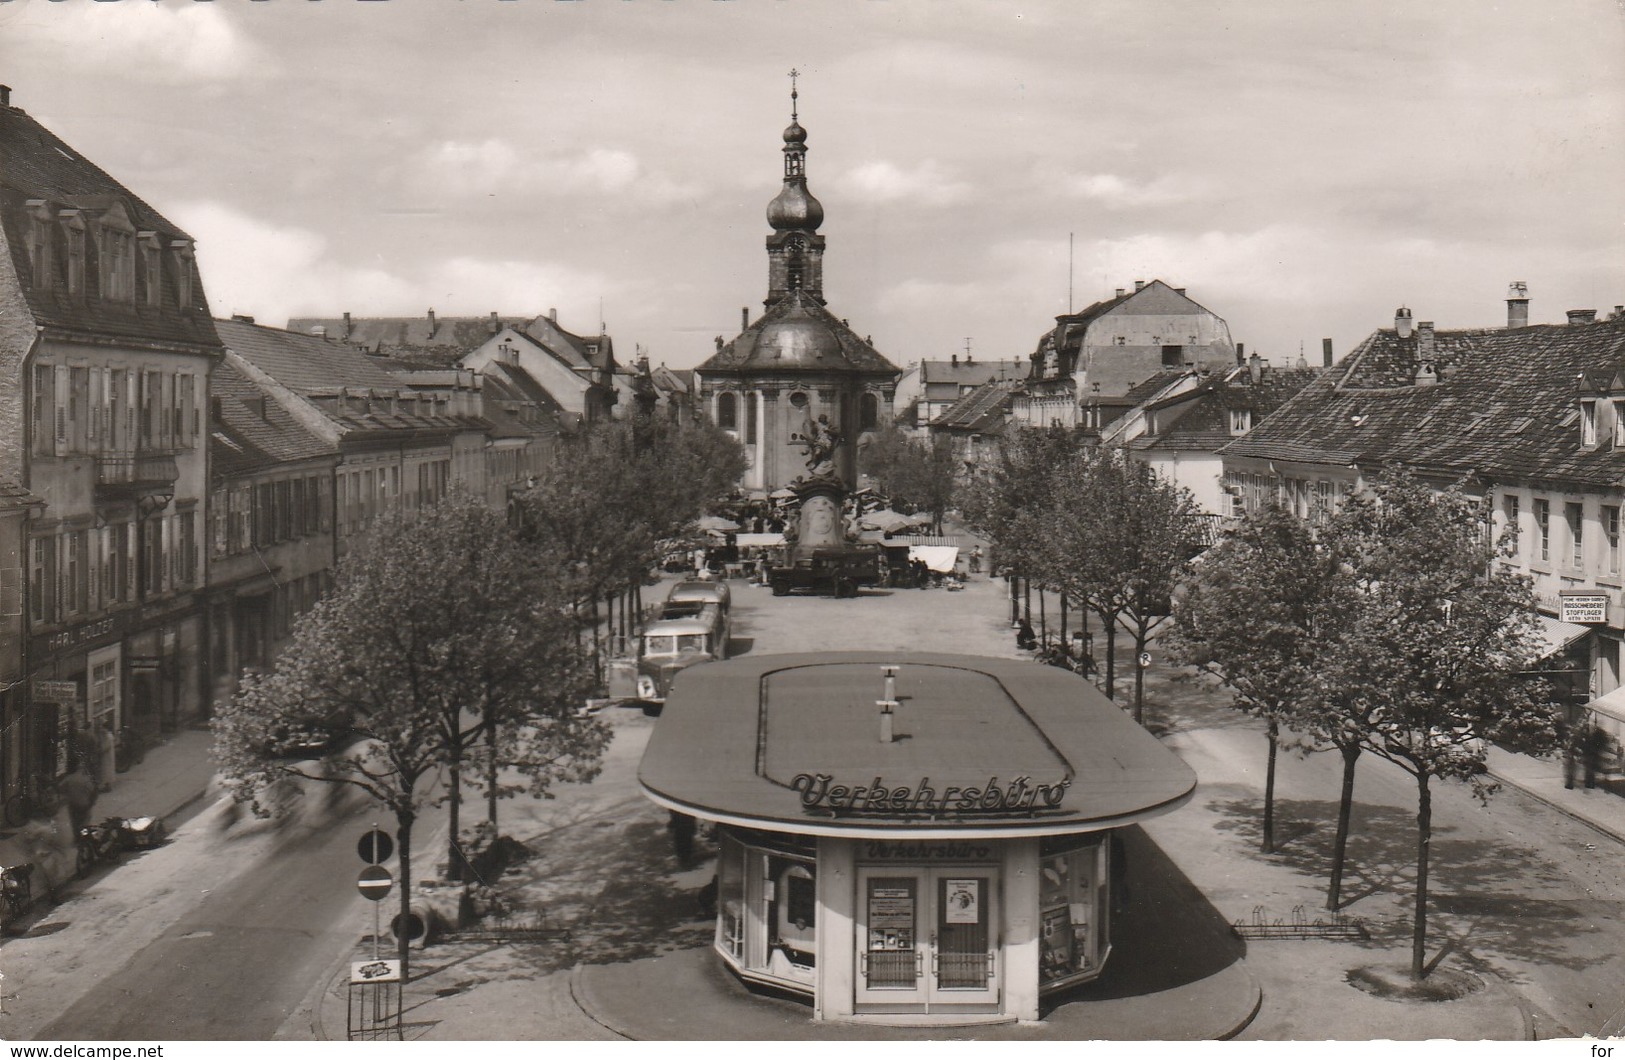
982 411
253 431
973 372
304 362
36 165
1504 407
1201 419
841 349
406 336
14 494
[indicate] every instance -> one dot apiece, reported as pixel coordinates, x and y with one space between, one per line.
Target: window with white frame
152 269
1511 505
1610 527
117 264
40 259
73 238
1574 515
1588 423
1543 524
1241 421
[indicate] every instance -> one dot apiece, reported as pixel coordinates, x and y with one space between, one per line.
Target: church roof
797 334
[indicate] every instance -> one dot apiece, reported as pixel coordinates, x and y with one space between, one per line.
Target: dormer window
73 239
1619 424
39 242
117 264
180 251
152 270
1588 423
1241 421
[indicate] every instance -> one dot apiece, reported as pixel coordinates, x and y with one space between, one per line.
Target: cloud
496 166
882 183
174 43
275 272
1116 192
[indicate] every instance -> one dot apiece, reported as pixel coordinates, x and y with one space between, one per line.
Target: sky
1301 167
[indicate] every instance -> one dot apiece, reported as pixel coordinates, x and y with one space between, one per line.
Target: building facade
797 365
1531 418
927 389
106 345
1083 369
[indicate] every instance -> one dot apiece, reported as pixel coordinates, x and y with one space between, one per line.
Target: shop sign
382 971
73 638
62 692
880 797
1585 608
919 851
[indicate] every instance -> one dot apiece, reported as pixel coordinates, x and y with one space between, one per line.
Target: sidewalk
1542 778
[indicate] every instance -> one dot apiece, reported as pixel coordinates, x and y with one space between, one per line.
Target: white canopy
758 540
937 557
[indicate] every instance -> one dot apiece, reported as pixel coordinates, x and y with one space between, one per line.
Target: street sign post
374 883
375 847
1145 659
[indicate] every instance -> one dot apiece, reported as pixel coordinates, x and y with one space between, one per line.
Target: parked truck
838 570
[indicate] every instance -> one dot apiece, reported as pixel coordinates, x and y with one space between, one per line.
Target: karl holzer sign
817 792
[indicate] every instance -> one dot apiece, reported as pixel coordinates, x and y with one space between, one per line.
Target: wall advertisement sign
963 899
1584 607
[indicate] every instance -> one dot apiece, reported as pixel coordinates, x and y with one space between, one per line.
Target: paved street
222 932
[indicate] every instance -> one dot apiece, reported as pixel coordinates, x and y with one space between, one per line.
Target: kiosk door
927 938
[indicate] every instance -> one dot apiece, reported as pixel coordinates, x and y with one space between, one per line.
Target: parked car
671 645
705 591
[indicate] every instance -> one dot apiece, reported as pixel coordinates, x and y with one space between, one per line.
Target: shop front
915 837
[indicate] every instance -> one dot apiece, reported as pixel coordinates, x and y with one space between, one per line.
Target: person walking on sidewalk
79 792
109 754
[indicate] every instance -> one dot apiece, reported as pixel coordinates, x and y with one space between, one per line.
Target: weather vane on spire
794 73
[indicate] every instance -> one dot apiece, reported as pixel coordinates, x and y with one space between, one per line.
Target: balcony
146 475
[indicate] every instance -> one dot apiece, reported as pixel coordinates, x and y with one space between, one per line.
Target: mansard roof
797 334
1503 406
36 166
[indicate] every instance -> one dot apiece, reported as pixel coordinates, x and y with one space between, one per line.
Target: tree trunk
1066 645
1015 602
1424 836
1043 619
1027 599
491 772
1108 624
1140 637
454 812
1340 843
403 840
1268 843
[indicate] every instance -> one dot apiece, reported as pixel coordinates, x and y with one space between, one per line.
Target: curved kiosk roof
914 834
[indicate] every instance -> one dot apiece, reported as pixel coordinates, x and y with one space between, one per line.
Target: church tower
795 250
797 364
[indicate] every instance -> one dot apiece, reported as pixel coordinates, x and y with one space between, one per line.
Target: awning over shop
1611 705
937 557
758 540
1557 634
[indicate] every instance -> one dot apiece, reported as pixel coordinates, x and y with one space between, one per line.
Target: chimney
5 95
432 325
553 315
1255 367
954 360
1517 304
1241 353
968 358
1139 285
1582 316
1619 313
1424 340
1426 375
346 327
1326 353
496 324
1402 322
242 318
744 317
1121 292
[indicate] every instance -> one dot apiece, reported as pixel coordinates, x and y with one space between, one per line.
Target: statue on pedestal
821 441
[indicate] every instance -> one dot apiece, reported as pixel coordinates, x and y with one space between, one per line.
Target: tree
1436 634
915 474
416 633
1253 613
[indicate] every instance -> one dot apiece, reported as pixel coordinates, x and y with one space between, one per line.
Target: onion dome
795 134
795 208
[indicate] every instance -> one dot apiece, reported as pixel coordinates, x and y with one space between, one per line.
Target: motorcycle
16 891
98 841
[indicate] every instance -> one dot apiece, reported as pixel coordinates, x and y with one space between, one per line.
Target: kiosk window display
918 836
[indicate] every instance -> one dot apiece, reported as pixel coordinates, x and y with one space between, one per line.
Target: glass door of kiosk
927 937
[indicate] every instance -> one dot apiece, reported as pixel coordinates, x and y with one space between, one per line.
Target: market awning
937 557
758 540
1557 634
1611 705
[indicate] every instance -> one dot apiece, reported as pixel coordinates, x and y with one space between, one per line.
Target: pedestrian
1025 639
109 754
79 792
682 828
976 560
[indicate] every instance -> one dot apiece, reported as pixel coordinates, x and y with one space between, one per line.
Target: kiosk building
916 836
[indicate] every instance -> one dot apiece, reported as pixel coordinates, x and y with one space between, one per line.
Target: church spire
795 250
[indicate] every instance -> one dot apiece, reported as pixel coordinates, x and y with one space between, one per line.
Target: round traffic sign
1145 659
375 847
374 882
414 927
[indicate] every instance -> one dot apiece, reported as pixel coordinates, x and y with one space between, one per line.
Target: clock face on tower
795 245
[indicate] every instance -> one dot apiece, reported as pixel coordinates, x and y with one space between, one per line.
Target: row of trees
1103 531
458 642
1385 628
1390 629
